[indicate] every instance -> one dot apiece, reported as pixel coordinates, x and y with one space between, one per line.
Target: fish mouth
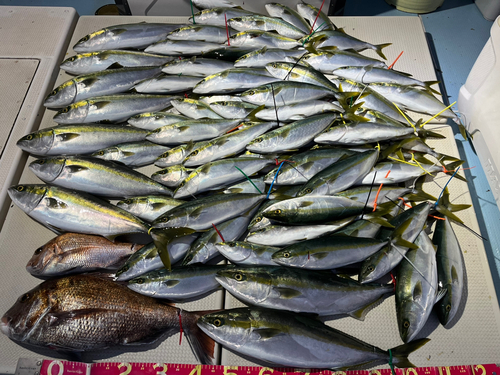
4 325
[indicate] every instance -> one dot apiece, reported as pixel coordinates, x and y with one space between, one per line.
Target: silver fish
319 22
263 56
91 62
264 23
171 176
229 109
194 109
154 120
217 16
60 210
107 82
78 139
196 66
247 186
132 154
209 4
176 155
289 15
284 93
181 47
246 253
134 35
259 39
292 340
297 111
166 84
369 74
95 176
148 207
179 284
202 33
326 62
111 108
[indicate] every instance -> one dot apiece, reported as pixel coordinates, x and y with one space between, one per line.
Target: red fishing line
220 235
397 58
314 23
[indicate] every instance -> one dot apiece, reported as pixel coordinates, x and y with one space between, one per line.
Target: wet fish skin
289 15
106 82
179 284
91 62
194 109
264 23
382 262
201 213
341 175
297 111
232 110
314 209
328 252
77 253
217 16
154 120
166 84
175 155
60 210
181 47
111 108
196 66
202 33
263 56
99 177
132 154
279 235
416 288
326 62
246 253
400 172
318 23
451 270
81 312
284 93
292 340
369 74
171 176
148 259
299 290
78 139
148 207
209 4
134 35
299 73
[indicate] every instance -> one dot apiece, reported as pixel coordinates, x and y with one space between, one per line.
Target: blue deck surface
457 33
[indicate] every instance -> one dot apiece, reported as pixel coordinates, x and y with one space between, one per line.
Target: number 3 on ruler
128 368
162 366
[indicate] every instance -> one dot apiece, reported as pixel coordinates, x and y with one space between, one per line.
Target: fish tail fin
252 115
446 158
428 87
400 353
201 345
424 133
162 237
419 194
379 47
449 169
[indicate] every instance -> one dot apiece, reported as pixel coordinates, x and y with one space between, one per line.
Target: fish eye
53 92
286 255
224 103
258 220
218 322
140 280
85 38
406 324
157 117
370 268
274 65
72 58
29 137
38 251
163 171
231 244
165 219
252 92
164 155
238 277
277 212
258 140
182 184
20 188
100 153
194 153
65 110
125 268
127 201
448 307
24 297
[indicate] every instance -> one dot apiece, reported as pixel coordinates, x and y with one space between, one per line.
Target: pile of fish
280 148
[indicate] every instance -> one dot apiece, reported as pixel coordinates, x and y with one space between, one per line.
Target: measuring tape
28 366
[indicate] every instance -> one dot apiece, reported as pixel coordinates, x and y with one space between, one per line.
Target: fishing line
406 118
378 191
442 191
287 77
219 233
227 29
310 35
319 12
248 178
192 12
370 193
390 362
437 114
415 267
397 58
179 312
275 108
274 179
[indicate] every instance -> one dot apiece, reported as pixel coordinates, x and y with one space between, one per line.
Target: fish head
151 283
258 95
48 169
306 190
231 328
92 41
169 176
62 95
409 314
292 257
279 69
138 263
142 119
45 259
171 220
24 316
78 63
109 153
261 142
27 197
233 251
244 61
446 308
134 205
75 113
39 142
286 210
251 284
374 267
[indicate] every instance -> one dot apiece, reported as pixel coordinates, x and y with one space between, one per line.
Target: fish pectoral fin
54 228
101 104
287 293
115 66
128 153
305 204
118 31
183 128
67 136
196 213
170 283
320 255
157 206
417 291
55 319
440 294
360 314
266 333
89 81
53 203
76 168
